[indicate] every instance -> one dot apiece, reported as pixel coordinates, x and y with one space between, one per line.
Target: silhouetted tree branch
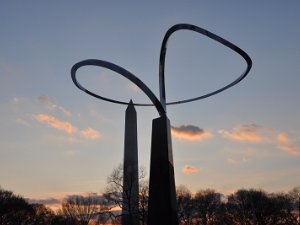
84 210
120 196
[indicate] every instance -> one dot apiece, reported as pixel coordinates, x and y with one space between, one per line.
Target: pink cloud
55 123
243 132
90 133
134 88
292 150
49 102
232 161
283 138
187 169
190 133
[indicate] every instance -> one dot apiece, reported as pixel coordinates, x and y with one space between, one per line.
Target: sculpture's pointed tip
130 106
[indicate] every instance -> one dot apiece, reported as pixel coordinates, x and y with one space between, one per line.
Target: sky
55 140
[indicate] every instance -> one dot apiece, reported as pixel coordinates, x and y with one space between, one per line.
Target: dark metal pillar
130 169
162 193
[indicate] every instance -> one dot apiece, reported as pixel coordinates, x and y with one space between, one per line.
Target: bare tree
14 209
295 197
186 207
87 209
251 207
143 201
120 196
208 207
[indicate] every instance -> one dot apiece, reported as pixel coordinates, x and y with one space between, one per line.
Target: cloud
243 132
55 123
232 161
90 133
16 99
54 201
283 138
187 169
22 122
292 150
190 132
87 198
47 201
69 139
49 102
134 87
71 154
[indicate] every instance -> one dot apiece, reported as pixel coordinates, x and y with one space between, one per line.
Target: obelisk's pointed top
130 106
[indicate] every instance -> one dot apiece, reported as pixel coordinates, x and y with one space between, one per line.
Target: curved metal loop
161 105
124 73
163 51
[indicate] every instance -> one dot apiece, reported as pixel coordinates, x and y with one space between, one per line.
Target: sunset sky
56 140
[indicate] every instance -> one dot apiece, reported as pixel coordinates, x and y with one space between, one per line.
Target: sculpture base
162 208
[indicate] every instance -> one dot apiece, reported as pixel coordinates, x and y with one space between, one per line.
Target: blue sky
57 140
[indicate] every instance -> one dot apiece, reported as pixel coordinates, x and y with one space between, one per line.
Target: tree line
205 207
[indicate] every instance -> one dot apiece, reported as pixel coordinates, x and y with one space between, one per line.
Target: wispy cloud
55 200
243 132
55 123
22 122
187 169
69 139
283 138
292 150
46 201
71 153
190 133
52 203
75 134
242 153
134 87
17 100
232 161
90 133
49 102
287 144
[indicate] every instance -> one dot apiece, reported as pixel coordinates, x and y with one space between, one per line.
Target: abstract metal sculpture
162 196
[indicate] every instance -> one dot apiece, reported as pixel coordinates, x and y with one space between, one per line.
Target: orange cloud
283 138
243 132
292 150
55 123
90 133
49 102
190 169
190 133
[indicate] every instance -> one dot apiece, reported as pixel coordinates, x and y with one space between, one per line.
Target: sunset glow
56 140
